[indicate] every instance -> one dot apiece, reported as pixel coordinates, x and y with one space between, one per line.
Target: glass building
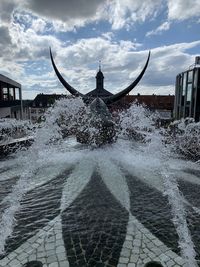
187 93
10 98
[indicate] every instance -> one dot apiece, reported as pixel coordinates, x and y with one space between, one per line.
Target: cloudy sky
81 32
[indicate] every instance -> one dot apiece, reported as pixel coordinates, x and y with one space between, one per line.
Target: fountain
132 202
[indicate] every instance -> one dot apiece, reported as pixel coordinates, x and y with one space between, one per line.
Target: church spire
99 78
99 65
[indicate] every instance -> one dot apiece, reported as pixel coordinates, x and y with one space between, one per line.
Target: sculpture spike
69 88
118 96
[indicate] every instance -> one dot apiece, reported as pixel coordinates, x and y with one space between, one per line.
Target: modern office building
10 98
187 93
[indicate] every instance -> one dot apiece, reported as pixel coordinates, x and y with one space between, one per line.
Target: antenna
99 65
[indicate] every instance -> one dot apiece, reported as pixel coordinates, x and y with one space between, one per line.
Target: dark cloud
5 36
65 9
6 8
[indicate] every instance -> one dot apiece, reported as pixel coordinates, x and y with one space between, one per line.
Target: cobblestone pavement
47 246
94 232
141 246
95 229
38 207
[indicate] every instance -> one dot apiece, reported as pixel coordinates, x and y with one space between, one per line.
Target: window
184 83
11 94
190 76
41 110
5 94
195 78
17 93
189 92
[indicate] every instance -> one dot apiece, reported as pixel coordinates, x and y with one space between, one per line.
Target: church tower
99 80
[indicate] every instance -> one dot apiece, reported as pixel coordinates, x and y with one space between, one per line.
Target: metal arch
69 88
108 100
118 96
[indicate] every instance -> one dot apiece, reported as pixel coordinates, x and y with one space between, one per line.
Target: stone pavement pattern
47 246
94 230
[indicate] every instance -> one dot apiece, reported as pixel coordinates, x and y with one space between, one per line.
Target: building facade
10 98
163 105
187 93
40 104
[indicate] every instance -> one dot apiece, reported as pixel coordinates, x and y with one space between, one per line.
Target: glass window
11 94
184 83
41 110
5 90
189 92
180 81
5 94
190 75
17 93
5 97
195 78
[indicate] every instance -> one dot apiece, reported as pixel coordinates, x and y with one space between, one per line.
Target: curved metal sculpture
62 80
109 99
101 118
118 96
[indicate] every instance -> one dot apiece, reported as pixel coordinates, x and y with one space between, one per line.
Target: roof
101 93
152 101
9 81
45 100
99 74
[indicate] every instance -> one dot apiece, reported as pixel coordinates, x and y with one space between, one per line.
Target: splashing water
140 149
179 218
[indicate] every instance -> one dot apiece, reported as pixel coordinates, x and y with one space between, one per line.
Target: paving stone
60 249
129 237
32 257
51 259
41 254
14 262
131 265
134 258
125 252
49 246
123 260
50 252
61 256
179 260
53 264
170 263
5 261
64 264
12 255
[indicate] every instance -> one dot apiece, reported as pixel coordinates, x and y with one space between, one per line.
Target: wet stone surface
38 207
193 216
153 211
6 185
94 227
